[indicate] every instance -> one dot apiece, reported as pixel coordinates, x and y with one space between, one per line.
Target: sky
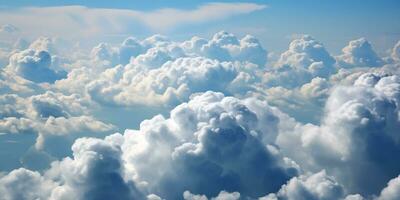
274 25
198 100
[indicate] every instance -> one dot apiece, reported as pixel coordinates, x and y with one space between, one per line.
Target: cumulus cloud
211 138
171 83
223 195
316 186
359 53
34 65
169 72
305 59
305 103
391 191
344 121
94 172
356 137
25 184
225 46
48 115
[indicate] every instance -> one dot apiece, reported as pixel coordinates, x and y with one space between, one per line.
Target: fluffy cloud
316 186
357 135
48 115
34 66
223 195
305 59
25 184
240 144
225 46
169 72
171 83
392 191
94 172
305 104
359 53
211 138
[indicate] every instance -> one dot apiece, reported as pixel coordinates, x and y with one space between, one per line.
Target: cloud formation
34 65
332 124
359 53
357 134
169 72
305 59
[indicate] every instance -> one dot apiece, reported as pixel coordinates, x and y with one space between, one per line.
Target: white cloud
305 103
49 115
34 65
392 191
305 59
171 83
233 139
223 195
316 186
25 184
211 138
359 53
356 137
169 72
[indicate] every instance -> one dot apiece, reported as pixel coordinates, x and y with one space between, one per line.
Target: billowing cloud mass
305 59
224 146
34 65
228 146
359 53
164 72
316 186
199 119
48 115
357 135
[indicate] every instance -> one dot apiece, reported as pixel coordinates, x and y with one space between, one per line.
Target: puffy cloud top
392 191
303 52
171 83
305 59
359 53
222 132
357 135
211 138
34 66
316 186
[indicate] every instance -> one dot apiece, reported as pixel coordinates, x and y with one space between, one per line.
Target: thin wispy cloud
84 21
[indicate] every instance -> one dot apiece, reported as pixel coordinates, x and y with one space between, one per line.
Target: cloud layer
232 124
